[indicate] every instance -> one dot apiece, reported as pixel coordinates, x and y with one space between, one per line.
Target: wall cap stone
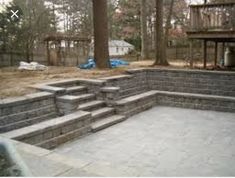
199 96
192 71
110 89
116 77
68 99
92 81
49 88
14 101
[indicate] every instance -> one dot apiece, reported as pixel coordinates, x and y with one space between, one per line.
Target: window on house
117 49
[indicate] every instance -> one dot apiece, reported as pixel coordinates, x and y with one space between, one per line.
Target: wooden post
48 53
216 53
223 49
191 53
204 53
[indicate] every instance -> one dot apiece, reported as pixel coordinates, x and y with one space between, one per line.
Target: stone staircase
51 122
102 115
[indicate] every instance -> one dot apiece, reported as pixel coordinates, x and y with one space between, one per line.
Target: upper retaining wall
190 81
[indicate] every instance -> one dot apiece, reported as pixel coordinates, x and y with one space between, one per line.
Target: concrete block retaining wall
52 133
196 101
206 90
26 110
192 81
130 94
139 103
121 86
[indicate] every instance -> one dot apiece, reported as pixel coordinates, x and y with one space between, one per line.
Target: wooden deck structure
212 22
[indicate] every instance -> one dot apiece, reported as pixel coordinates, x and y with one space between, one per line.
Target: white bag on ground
31 66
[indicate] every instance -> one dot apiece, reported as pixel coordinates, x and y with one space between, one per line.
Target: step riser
69 103
94 107
103 115
107 125
88 99
76 93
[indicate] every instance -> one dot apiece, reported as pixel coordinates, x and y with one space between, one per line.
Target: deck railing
212 17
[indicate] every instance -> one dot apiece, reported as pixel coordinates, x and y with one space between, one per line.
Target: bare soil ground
16 83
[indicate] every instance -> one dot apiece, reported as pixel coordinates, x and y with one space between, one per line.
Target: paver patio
163 141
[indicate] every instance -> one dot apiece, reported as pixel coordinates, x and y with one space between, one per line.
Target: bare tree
160 59
167 28
144 36
100 19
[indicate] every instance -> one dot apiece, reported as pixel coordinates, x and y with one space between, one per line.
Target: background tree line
41 17
134 21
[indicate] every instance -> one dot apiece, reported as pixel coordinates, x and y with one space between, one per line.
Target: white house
116 48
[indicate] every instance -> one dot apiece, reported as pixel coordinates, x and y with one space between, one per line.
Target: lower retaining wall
52 133
141 102
196 101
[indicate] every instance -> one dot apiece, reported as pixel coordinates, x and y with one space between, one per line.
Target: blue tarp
114 63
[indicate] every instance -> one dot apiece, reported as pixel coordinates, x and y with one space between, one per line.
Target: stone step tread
137 97
91 104
75 89
102 112
86 96
73 98
28 122
107 122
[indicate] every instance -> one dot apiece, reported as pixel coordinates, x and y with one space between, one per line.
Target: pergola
68 49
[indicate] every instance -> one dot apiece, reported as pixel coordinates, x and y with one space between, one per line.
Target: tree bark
101 50
160 60
144 36
167 28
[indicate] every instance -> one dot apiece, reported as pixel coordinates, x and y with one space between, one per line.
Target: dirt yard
16 83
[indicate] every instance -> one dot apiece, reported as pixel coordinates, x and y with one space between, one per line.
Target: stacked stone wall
192 81
26 110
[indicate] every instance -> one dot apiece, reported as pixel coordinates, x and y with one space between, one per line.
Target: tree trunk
101 50
160 60
167 28
144 36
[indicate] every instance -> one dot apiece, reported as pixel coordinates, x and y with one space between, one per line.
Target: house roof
61 36
119 43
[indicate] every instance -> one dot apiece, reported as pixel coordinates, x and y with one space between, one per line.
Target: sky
7 1
192 1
